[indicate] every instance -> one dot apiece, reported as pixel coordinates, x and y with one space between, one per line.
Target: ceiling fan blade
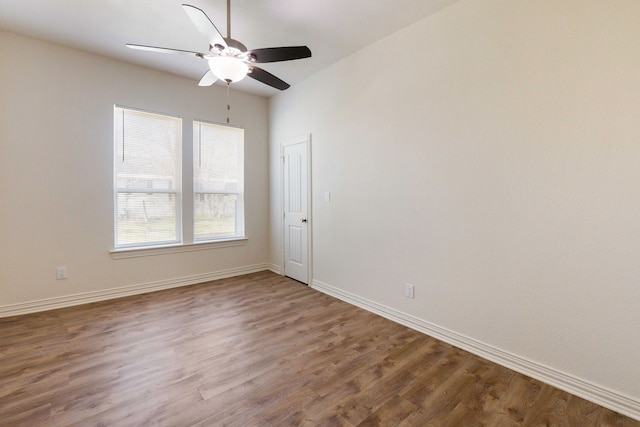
277 54
205 26
165 50
208 79
267 78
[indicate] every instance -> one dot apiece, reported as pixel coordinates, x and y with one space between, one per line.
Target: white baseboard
87 297
275 268
579 387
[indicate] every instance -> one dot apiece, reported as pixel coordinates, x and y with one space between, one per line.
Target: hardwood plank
257 350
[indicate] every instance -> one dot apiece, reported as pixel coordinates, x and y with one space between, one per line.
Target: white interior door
296 207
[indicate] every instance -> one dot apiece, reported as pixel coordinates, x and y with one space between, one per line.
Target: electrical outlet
408 290
61 273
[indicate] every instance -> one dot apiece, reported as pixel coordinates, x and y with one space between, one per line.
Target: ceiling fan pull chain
228 105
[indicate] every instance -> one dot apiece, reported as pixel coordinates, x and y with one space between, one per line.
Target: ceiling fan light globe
228 69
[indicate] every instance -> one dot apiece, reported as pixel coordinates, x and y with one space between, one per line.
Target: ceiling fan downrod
228 19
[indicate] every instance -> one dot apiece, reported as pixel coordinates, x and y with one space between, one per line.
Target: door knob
304 220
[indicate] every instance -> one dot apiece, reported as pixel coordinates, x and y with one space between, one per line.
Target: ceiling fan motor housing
235 47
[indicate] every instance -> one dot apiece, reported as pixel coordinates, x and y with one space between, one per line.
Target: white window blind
147 175
218 177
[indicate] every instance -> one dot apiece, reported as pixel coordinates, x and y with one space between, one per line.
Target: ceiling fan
229 60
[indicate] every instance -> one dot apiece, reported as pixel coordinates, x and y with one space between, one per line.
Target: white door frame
299 140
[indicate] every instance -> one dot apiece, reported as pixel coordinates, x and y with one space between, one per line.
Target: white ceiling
332 29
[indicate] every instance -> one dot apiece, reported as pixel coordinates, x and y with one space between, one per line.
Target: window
218 181
147 178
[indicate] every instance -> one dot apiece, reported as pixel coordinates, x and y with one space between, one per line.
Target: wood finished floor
257 350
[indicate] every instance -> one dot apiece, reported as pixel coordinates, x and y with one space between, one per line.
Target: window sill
174 249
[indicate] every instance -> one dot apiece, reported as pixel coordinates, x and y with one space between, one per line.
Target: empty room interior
426 213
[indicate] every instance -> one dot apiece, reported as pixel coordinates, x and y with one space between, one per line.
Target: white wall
490 155
56 179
